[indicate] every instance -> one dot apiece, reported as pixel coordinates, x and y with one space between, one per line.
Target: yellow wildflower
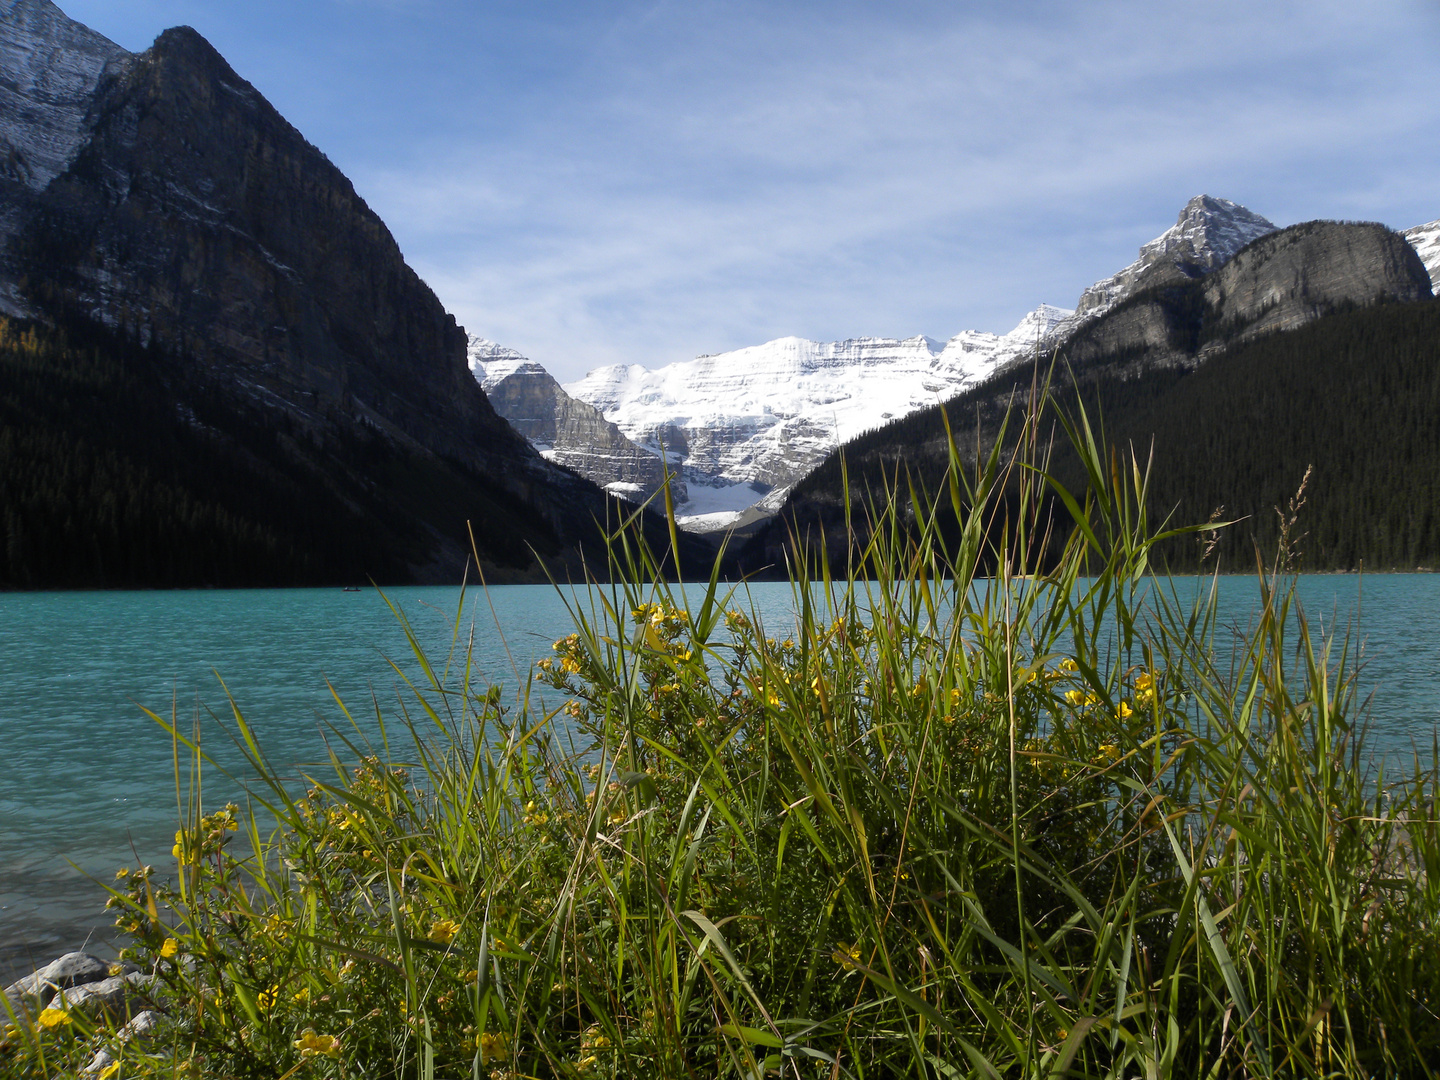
1069 666
312 1045
493 1045
1075 697
1124 711
266 999
846 955
594 1039
169 948
443 931
109 1070
53 1018
122 873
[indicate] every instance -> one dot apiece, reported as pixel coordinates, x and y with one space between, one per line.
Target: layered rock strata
564 429
1281 281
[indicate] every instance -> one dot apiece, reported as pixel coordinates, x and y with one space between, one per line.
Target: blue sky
616 182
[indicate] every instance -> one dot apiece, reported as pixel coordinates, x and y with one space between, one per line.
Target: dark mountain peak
1207 233
1280 280
186 216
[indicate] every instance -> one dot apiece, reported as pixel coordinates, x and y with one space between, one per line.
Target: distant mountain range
1316 345
158 213
216 368
744 427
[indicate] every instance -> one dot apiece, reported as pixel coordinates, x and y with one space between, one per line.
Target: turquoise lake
85 775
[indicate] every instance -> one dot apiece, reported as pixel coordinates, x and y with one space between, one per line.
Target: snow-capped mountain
1207 235
747 422
758 419
1425 239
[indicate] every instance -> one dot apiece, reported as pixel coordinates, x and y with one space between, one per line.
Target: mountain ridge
751 436
1301 278
194 220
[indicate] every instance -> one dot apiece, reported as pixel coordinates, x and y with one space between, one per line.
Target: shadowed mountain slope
190 220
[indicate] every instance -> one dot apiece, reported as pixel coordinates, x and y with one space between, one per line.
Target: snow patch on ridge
491 363
1425 239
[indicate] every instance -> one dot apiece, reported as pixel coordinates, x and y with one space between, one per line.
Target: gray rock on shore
79 982
24 997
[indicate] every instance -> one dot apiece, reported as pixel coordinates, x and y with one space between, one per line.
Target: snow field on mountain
762 412
1425 239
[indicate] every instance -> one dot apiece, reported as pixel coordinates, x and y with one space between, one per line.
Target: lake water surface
85 775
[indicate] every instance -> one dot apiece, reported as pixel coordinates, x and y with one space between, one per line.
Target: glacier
744 423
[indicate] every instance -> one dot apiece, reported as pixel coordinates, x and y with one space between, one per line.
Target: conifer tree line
1353 397
122 466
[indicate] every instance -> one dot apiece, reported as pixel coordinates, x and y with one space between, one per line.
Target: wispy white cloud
641 182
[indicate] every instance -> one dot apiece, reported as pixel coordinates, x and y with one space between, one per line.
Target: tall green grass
1049 822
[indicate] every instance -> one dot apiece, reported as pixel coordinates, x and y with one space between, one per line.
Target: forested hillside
1355 395
118 467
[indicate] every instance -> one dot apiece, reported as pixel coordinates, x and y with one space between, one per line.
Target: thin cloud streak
623 182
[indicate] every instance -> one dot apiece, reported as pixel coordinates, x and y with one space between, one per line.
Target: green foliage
943 825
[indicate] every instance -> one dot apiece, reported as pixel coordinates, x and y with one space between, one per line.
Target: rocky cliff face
50 67
564 429
168 200
1206 236
1281 281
